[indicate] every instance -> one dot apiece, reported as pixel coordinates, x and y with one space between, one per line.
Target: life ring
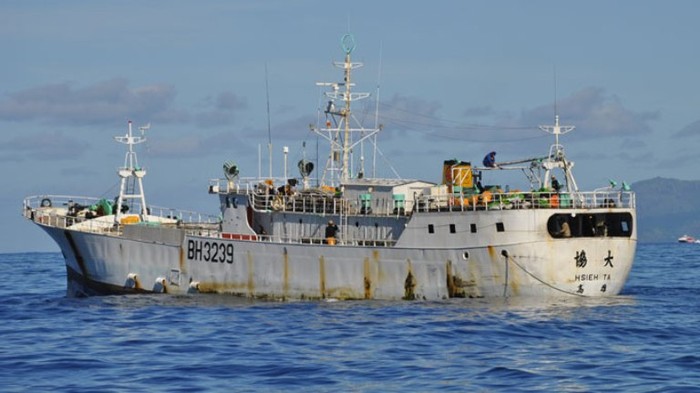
46 202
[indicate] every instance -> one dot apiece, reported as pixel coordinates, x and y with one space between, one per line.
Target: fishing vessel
347 235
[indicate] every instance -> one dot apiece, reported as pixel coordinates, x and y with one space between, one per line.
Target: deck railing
526 200
318 202
63 211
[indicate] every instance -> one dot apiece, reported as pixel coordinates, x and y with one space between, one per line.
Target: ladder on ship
343 223
130 186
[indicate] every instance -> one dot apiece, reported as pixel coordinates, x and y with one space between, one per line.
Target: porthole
465 255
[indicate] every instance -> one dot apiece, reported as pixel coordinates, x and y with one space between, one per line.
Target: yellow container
129 220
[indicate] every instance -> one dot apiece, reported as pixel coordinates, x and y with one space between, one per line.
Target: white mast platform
131 170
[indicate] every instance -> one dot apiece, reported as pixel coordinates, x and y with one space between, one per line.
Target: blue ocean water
645 340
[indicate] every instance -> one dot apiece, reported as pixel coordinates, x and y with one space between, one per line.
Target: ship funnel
230 170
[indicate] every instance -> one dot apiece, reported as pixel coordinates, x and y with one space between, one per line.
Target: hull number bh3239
209 251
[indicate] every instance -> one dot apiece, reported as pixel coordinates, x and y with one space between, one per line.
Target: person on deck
555 184
331 231
490 160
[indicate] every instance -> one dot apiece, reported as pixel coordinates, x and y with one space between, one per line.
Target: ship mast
346 114
557 158
338 130
131 170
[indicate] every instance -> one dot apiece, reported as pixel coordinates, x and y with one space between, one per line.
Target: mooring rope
509 258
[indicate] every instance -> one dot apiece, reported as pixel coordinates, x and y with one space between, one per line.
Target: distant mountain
667 209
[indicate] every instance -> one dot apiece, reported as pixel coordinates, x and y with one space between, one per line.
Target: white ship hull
517 263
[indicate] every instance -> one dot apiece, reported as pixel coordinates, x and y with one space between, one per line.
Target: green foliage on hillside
667 209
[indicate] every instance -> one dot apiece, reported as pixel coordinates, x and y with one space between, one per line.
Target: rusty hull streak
251 278
516 275
137 283
181 262
285 284
380 275
492 252
372 274
455 284
450 279
368 279
409 284
473 272
322 276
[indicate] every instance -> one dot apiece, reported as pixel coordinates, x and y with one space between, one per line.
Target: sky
454 79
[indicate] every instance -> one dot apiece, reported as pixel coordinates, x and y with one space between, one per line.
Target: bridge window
590 225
